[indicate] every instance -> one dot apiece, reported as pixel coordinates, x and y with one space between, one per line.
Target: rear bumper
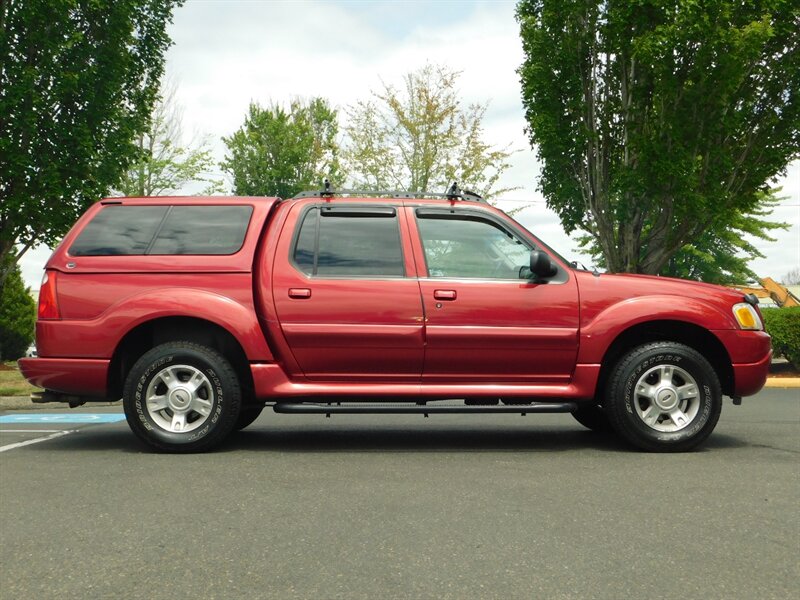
76 376
749 378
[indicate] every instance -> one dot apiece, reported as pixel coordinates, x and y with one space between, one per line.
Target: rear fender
98 338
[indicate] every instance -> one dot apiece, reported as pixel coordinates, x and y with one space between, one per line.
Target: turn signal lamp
48 304
747 317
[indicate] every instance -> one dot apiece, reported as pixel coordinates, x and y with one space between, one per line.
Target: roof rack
453 193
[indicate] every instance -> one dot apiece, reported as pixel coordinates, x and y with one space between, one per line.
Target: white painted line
30 430
34 441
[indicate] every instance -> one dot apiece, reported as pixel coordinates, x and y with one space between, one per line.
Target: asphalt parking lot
457 506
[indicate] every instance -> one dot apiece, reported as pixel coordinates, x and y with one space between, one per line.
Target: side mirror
542 265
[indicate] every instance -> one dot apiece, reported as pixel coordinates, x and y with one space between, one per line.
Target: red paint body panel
80 377
399 337
98 337
750 378
271 381
363 329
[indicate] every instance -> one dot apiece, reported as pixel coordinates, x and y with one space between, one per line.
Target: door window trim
353 210
448 213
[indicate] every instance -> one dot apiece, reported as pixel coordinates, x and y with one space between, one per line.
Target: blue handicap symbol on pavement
63 418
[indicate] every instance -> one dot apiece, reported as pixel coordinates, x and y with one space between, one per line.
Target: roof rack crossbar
453 193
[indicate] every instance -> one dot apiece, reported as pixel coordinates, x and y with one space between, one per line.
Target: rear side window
344 242
132 230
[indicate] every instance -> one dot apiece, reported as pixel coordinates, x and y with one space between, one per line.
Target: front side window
349 242
467 246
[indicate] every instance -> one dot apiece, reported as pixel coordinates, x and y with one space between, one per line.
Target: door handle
299 293
444 294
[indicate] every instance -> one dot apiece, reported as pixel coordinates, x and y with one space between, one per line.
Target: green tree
165 164
78 80
421 138
658 122
718 256
17 316
279 152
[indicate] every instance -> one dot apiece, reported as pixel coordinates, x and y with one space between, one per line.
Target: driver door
483 323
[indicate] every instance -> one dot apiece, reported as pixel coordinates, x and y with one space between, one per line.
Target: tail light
48 301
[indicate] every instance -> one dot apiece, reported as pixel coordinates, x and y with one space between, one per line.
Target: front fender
598 334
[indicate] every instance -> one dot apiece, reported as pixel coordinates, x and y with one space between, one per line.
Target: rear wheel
663 397
182 397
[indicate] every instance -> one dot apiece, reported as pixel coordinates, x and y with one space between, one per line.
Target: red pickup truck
198 312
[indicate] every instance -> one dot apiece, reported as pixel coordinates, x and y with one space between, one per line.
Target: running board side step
420 409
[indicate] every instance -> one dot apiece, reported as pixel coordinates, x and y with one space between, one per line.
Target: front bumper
749 378
75 376
751 354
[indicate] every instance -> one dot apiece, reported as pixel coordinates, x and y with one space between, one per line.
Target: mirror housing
542 265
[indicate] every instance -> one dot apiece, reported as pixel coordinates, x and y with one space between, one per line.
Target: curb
782 382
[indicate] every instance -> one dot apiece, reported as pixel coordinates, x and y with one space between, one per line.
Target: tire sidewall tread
620 397
227 397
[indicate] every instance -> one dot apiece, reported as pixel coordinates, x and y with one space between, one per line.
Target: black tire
196 411
592 416
663 397
247 416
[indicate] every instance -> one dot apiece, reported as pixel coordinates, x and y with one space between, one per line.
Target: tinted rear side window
131 230
358 243
119 230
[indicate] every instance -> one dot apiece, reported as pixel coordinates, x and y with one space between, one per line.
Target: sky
227 53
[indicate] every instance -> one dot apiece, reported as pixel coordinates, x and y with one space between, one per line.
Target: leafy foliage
78 80
659 122
17 316
783 324
718 256
420 138
165 164
280 152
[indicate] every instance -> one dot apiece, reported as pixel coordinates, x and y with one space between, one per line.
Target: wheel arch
666 330
160 330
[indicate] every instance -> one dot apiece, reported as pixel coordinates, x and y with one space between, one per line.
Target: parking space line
29 430
35 440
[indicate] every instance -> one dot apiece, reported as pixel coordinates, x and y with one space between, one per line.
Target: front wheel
663 397
182 397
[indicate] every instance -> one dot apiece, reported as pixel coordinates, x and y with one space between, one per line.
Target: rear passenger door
345 293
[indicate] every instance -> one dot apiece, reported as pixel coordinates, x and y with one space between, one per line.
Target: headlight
747 317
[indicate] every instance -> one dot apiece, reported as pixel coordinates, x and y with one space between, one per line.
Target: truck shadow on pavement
384 439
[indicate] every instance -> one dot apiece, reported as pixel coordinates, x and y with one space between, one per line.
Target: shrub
783 324
17 317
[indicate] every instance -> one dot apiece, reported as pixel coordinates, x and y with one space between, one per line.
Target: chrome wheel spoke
646 390
156 403
667 372
201 406
196 381
679 417
651 415
687 391
178 421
